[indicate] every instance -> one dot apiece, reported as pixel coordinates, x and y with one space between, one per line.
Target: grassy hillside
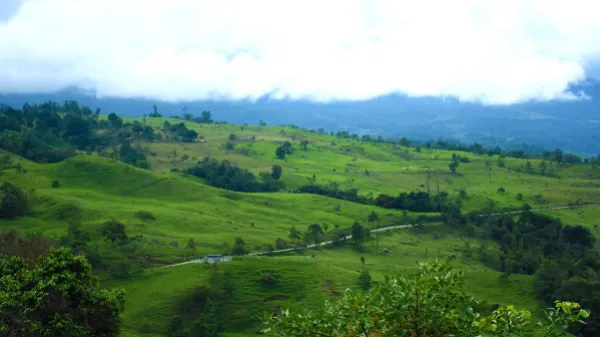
96 189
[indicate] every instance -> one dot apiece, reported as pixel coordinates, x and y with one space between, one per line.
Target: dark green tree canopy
13 202
113 231
60 297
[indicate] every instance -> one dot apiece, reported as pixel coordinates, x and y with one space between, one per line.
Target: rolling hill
91 188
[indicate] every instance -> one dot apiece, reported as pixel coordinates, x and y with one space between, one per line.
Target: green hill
91 188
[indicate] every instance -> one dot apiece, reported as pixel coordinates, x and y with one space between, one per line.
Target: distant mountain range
573 126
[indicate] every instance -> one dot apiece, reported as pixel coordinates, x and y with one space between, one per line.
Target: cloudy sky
495 52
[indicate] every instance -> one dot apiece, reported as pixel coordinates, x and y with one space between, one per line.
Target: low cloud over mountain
495 52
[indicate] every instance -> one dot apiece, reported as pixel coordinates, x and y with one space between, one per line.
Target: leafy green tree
528 167
304 143
373 217
115 121
364 279
144 216
239 247
113 231
206 117
280 243
55 184
191 244
280 152
276 171
519 196
76 238
294 233
232 137
13 202
453 166
358 232
154 113
230 146
60 297
429 302
189 136
548 279
315 233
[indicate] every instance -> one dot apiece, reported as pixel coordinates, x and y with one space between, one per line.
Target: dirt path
556 208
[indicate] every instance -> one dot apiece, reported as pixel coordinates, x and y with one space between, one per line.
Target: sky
492 52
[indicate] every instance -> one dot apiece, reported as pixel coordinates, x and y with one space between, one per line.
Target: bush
13 202
55 183
144 216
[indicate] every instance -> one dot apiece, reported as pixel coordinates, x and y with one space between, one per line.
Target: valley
328 189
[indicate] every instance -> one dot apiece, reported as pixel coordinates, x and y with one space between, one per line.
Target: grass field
185 207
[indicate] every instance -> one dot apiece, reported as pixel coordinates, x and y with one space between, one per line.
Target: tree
358 232
189 136
232 137
280 152
280 243
239 247
55 184
304 143
191 244
519 196
206 117
427 303
501 190
548 279
276 171
294 234
76 237
144 216
373 217
60 297
154 113
230 146
315 232
115 121
453 165
13 202
365 279
113 230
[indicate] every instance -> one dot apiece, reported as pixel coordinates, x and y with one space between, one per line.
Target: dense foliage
419 201
13 201
59 297
429 302
50 132
558 156
563 258
228 176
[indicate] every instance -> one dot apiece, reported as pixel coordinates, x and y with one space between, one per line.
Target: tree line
563 259
224 174
421 202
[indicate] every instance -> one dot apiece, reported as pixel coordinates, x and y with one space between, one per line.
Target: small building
217 258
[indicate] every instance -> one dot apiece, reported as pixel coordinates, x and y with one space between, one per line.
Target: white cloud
490 51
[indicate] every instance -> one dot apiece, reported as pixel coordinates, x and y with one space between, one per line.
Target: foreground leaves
428 303
57 298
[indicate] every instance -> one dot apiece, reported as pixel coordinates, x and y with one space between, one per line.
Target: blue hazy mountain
570 125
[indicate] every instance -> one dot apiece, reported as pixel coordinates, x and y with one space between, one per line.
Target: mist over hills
535 126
